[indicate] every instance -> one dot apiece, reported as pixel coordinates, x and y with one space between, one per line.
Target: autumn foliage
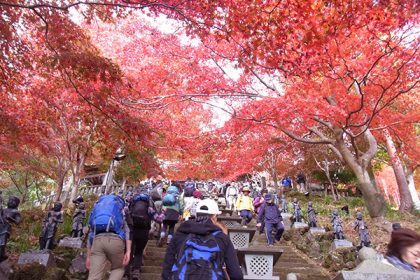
81 80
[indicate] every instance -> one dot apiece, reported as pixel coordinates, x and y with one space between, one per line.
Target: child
270 214
245 207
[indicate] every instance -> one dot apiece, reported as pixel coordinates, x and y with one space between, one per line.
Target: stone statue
297 212
79 216
311 215
8 216
283 204
360 225
51 221
337 227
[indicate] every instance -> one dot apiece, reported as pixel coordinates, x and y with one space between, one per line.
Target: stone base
300 225
286 220
78 264
341 243
5 268
71 242
374 270
44 257
317 230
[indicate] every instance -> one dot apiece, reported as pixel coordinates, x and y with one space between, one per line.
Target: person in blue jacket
270 214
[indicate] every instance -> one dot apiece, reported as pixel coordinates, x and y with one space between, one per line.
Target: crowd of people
166 204
155 207
120 227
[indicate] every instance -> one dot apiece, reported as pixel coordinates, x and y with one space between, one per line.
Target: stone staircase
289 262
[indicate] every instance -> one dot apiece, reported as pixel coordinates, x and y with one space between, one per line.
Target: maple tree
331 72
342 67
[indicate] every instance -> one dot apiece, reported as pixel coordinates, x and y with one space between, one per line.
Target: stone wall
318 248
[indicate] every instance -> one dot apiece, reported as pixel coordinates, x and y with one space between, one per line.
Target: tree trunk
375 203
76 178
412 187
406 202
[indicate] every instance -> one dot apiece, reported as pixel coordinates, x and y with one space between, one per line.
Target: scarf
400 263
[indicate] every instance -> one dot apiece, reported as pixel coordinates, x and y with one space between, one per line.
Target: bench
230 221
259 262
241 237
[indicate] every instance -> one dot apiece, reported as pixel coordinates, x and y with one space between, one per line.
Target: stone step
150 274
289 262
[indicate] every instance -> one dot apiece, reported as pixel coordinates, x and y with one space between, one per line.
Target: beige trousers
107 248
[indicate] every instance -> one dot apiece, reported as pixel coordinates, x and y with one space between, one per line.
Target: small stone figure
7 217
297 213
283 204
54 216
311 215
79 216
360 225
337 227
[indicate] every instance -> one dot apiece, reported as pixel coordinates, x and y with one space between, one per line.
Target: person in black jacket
204 225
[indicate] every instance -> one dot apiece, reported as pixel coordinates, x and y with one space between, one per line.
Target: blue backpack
107 215
199 258
141 197
169 199
173 190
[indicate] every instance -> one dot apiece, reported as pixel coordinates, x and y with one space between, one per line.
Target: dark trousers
140 239
170 226
268 230
246 216
262 227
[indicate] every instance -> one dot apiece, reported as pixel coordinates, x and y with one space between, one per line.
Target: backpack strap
218 257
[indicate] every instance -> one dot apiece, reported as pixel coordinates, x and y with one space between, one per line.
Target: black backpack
139 210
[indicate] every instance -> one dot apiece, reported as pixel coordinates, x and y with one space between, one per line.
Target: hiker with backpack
270 215
173 207
245 207
142 211
200 250
109 238
286 182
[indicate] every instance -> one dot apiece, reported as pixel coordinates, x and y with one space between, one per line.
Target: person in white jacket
232 192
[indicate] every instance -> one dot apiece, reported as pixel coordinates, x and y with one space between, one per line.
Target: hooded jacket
191 226
270 213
